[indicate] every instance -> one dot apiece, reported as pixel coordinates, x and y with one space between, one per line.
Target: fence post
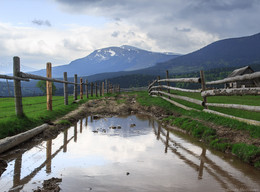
75 87
17 88
96 89
107 86
100 89
103 88
86 84
81 88
91 89
203 88
168 83
118 88
49 87
159 84
65 78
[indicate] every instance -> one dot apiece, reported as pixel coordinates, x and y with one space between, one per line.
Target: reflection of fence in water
19 182
218 173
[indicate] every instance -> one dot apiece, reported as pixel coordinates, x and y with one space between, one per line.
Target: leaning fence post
81 88
65 78
203 88
168 83
86 84
49 87
75 87
17 87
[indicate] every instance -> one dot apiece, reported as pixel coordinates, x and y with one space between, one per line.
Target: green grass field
35 111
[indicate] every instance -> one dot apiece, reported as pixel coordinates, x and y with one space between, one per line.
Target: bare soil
126 104
50 185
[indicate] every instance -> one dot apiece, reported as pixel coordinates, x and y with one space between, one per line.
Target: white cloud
37 46
167 25
174 25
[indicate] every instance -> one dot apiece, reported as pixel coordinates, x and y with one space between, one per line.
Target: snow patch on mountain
112 53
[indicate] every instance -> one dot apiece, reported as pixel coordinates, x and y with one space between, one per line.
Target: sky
59 31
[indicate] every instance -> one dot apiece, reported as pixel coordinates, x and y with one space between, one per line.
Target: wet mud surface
110 149
111 106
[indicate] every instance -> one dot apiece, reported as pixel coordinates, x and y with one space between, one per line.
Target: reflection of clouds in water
142 127
114 148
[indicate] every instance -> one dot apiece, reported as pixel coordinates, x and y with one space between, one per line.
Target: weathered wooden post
91 89
100 89
159 84
49 87
203 88
86 84
75 87
118 88
96 89
65 87
103 88
106 86
81 88
17 88
168 83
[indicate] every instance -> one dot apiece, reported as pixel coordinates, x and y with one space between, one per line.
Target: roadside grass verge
247 153
242 100
35 113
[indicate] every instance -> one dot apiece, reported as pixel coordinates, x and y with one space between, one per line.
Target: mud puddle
131 153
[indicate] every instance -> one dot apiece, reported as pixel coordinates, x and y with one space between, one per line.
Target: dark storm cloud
174 22
224 5
41 22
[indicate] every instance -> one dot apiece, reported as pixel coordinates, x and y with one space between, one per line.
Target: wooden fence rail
19 76
236 78
157 91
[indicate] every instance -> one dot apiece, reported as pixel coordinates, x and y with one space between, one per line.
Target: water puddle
132 153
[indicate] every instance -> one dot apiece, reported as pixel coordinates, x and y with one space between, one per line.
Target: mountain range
233 52
110 59
227 53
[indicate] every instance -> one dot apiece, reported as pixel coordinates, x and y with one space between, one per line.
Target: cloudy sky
60 31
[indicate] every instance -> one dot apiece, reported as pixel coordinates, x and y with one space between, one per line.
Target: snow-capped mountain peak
112 59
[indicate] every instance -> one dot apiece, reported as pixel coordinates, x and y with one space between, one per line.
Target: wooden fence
19 76
163 91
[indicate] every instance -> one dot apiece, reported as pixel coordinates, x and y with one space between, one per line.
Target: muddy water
131 153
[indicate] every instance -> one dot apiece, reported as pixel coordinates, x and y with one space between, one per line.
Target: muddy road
115 146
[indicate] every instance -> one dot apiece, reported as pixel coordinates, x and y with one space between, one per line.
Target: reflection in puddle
109 154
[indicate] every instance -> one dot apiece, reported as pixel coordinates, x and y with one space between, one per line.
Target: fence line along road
19 76
157 90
